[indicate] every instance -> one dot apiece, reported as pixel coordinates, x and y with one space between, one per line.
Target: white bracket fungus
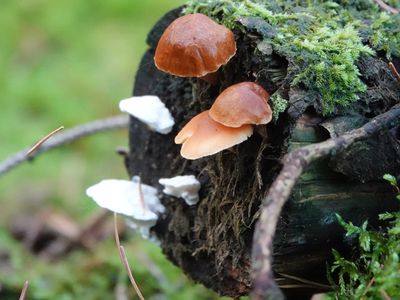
143 230
186 187
151 111
137 201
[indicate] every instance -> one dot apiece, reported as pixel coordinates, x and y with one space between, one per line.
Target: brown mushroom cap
242 103
193 46
203 136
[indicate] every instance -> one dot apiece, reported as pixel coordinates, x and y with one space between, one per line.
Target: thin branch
294 163
308 282
24 291
370 283
124 259
394 71
385 295
63 138
387 7
91 229
41 141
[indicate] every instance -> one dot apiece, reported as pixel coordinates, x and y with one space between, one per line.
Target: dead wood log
211 242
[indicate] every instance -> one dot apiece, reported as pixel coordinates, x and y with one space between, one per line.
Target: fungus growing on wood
186 187
242 103
202 136
220 229
151 111
139 202
194 46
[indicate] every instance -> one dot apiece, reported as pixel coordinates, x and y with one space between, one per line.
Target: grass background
68 62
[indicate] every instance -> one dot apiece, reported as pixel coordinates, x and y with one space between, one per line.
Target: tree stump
211 241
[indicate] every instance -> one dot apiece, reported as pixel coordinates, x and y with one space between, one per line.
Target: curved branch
63 138
387 7
294 163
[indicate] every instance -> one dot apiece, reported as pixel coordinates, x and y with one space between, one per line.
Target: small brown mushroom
242 103
203 136
194 46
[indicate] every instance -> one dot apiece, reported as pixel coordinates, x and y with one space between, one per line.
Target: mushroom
139 202
194 46
186 187
203 136
242 103
143 228
151 111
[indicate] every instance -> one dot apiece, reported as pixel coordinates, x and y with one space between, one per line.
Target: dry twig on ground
394 71
387 7
124 259
41 141
24 291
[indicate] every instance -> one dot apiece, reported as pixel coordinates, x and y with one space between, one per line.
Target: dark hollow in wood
211 241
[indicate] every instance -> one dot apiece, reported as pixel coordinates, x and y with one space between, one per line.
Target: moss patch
279 105
322 40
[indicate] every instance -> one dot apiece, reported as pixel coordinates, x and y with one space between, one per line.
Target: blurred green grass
64 63
67 62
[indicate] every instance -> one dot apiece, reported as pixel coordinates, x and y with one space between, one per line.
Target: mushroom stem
262 131
211 78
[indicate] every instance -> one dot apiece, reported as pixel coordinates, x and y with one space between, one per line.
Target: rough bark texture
211 241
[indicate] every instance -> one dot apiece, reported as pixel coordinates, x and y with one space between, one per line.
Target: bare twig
387 7
65 137
24 291
90 231
385 295
85 236
294 163
394 71
305 281
124 259
41 141
370 283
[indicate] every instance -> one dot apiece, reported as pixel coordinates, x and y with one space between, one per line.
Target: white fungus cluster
186 187
138 202
151 111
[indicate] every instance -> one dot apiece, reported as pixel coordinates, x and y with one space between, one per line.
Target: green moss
328 60
322 40
375 271
279 105
386 34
